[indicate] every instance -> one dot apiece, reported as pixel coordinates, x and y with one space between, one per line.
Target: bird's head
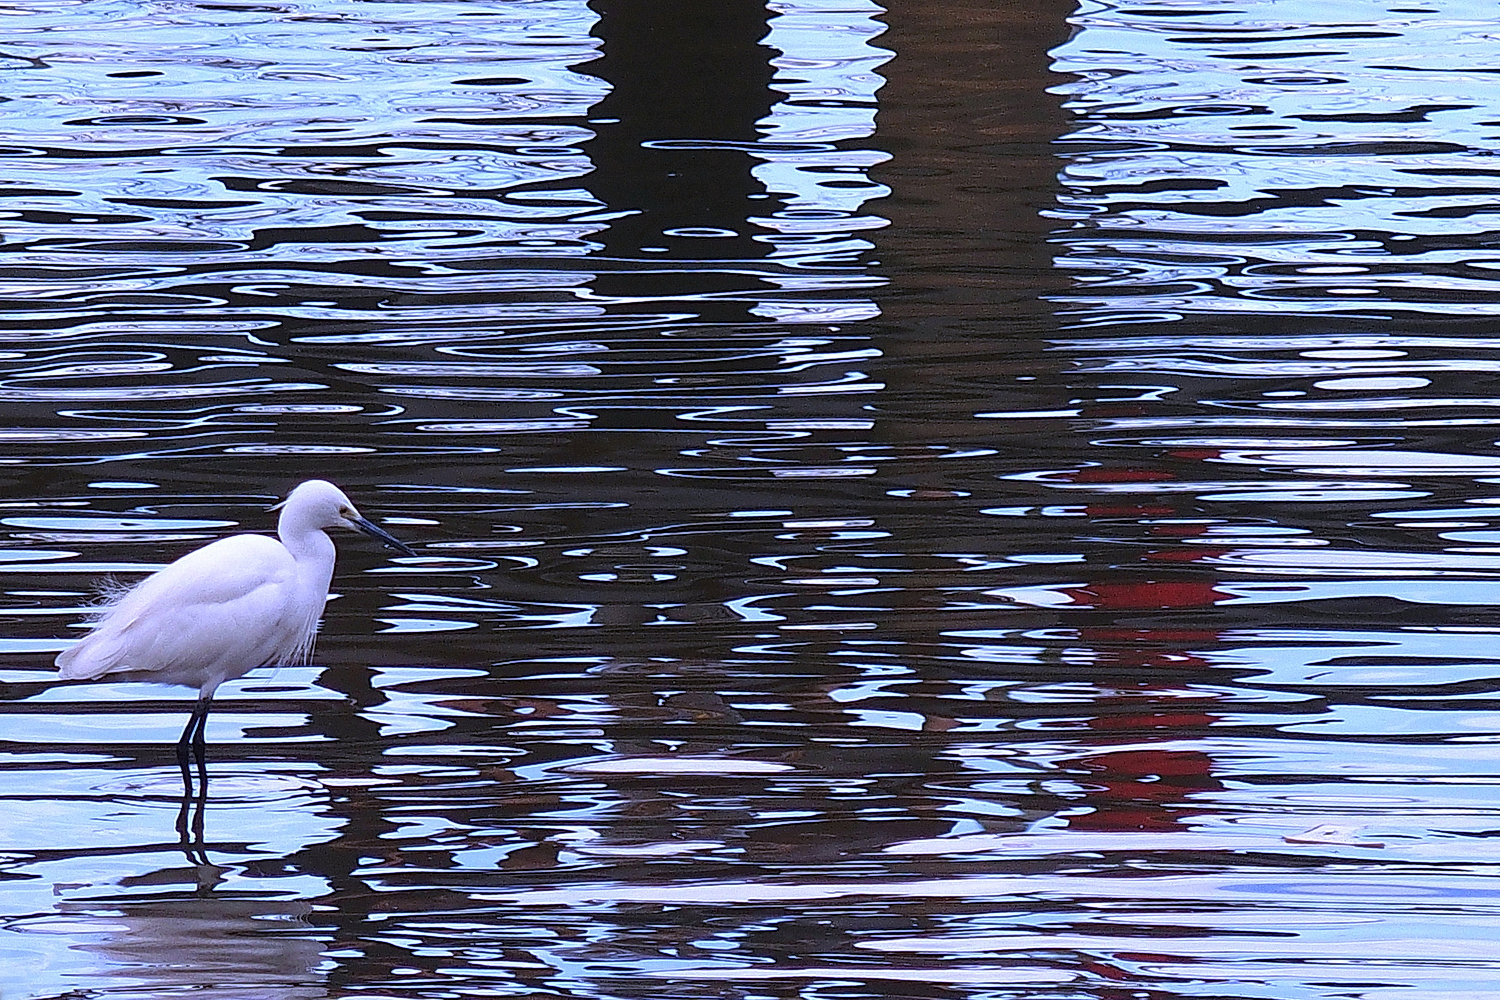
318 504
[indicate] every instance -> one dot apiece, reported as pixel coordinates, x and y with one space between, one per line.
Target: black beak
375 531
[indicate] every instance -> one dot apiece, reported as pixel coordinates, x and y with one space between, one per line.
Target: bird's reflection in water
231 948
190 816
217 921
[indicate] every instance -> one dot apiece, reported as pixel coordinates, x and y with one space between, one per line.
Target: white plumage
221 611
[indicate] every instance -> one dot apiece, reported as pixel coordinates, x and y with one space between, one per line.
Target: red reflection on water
1135 595
1144 789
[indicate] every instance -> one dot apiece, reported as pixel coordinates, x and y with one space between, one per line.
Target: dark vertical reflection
967 119
689 81
970 125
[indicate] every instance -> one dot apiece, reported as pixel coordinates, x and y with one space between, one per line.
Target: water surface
956 502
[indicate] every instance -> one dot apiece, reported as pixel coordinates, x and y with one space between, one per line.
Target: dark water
970 500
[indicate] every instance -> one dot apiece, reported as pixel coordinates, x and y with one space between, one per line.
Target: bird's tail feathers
101 652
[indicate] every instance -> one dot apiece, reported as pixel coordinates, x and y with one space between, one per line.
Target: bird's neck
307 544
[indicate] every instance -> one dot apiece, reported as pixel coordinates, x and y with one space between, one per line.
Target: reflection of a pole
688 84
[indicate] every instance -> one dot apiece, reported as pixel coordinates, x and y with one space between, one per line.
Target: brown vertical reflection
970 125
972 130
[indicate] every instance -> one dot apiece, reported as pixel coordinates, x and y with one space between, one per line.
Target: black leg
200 745
192 745
184 746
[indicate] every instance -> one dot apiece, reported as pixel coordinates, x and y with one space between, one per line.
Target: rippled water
992 501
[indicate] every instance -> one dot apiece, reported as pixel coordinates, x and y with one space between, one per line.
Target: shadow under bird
222 610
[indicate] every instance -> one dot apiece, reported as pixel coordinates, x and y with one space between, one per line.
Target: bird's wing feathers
222 609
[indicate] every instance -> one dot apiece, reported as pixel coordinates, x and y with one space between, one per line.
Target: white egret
222 610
